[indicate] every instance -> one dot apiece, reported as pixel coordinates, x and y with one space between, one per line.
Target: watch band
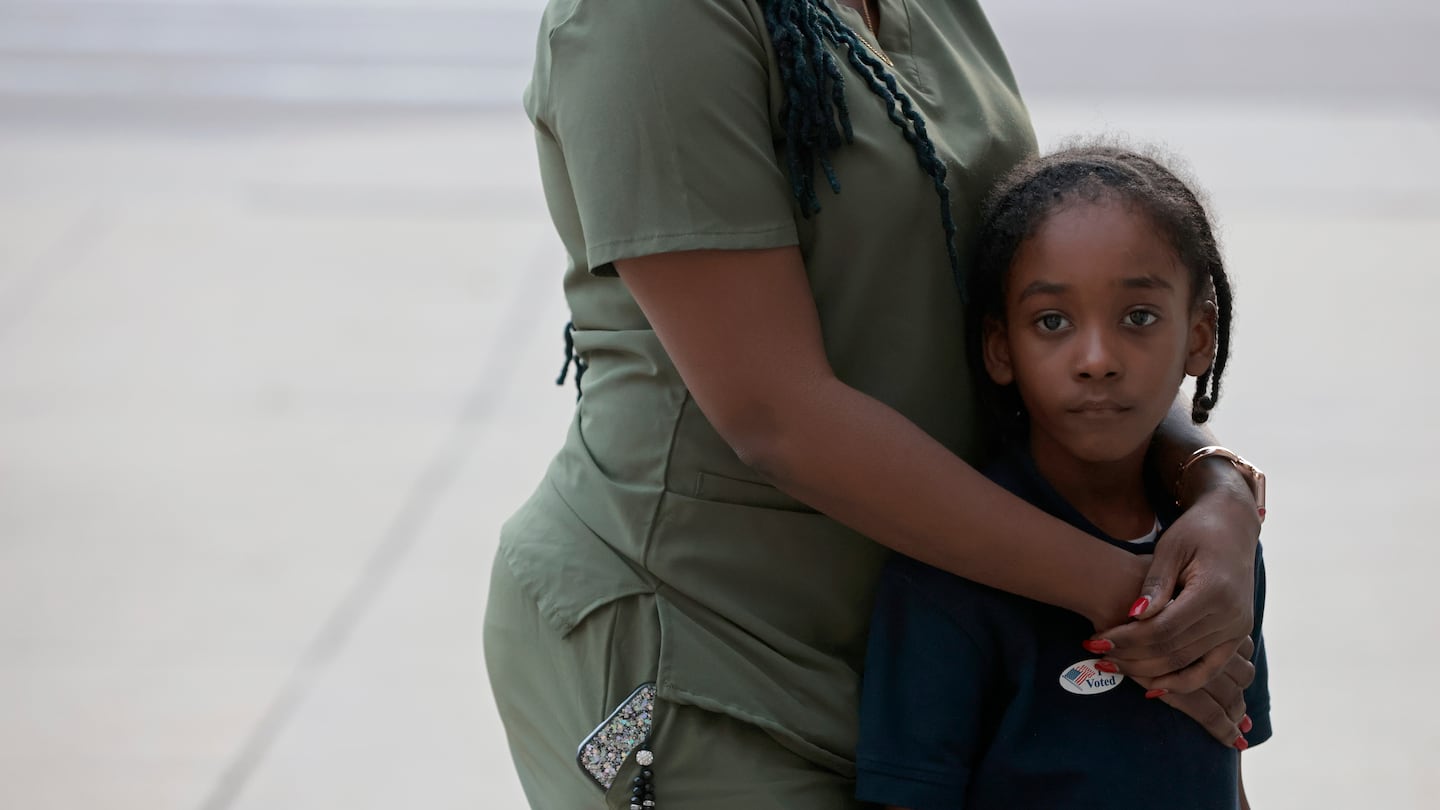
1253 476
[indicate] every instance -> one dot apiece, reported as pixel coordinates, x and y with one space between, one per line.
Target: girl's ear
1200 352
997 352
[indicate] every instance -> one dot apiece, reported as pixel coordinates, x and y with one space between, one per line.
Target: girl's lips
1099 406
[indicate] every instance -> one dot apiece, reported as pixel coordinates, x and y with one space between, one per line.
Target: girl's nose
1095 359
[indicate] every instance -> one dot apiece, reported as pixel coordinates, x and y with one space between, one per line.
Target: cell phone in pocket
626 729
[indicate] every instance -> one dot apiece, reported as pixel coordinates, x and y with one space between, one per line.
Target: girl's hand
1210 553
1219 705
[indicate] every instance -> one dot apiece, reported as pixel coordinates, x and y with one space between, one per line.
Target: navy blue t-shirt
977 699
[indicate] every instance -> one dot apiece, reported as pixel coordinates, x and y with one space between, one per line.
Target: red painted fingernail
1140 606
1245 724
1157 693
1106 666
1240 744
1098 645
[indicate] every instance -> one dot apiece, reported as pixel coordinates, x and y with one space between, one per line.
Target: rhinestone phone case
603 752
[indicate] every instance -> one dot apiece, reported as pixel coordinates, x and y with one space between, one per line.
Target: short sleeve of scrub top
666 136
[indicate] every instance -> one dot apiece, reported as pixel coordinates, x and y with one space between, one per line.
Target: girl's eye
1141 317
1051 322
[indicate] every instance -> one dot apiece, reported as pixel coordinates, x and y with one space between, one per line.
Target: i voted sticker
1082 678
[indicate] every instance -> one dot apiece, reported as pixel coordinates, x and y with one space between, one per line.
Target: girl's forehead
1104 241
1107 216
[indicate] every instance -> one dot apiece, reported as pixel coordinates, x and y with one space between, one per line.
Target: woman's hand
1219 705
1209 552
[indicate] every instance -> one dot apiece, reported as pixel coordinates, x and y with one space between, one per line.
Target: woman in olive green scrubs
775 394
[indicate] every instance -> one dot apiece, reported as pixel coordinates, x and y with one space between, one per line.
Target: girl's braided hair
1032 191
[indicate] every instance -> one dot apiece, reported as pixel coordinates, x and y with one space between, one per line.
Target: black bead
638 781
647 774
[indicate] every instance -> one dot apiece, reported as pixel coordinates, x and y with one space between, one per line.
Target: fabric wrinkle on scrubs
658 128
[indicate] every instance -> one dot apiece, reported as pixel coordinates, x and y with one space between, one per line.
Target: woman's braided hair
1032 191
816 117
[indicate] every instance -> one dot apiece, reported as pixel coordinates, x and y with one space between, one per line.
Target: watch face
1252 474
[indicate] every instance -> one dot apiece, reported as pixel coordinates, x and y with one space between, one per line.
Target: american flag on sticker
1079 673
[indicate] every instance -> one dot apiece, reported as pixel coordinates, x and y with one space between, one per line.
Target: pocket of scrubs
723 489
614 653
553 689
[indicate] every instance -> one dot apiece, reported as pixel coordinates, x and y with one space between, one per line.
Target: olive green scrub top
658 127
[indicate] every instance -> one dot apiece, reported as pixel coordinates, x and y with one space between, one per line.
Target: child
1098 288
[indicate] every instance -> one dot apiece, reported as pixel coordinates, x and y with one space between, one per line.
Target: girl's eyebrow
1150 282
1042 288
1147 283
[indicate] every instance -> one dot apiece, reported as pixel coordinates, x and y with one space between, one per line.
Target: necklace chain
879 54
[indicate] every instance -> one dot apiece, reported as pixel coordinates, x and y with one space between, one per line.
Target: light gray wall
471 53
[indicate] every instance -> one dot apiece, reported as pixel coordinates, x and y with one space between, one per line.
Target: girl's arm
742 330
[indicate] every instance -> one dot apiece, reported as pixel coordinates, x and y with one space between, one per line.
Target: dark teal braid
814 93
816 117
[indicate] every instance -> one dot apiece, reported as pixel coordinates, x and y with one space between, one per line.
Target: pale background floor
280 310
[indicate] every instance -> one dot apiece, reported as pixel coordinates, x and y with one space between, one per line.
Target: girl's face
1099 330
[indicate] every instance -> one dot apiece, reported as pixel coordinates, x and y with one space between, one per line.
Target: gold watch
1253 476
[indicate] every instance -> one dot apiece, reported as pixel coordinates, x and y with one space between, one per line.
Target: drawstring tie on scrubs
571 356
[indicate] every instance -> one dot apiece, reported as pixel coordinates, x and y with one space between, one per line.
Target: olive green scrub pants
552 691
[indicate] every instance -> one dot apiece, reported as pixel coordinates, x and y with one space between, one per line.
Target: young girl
1098 288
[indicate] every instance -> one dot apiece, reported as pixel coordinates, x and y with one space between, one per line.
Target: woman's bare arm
742 329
